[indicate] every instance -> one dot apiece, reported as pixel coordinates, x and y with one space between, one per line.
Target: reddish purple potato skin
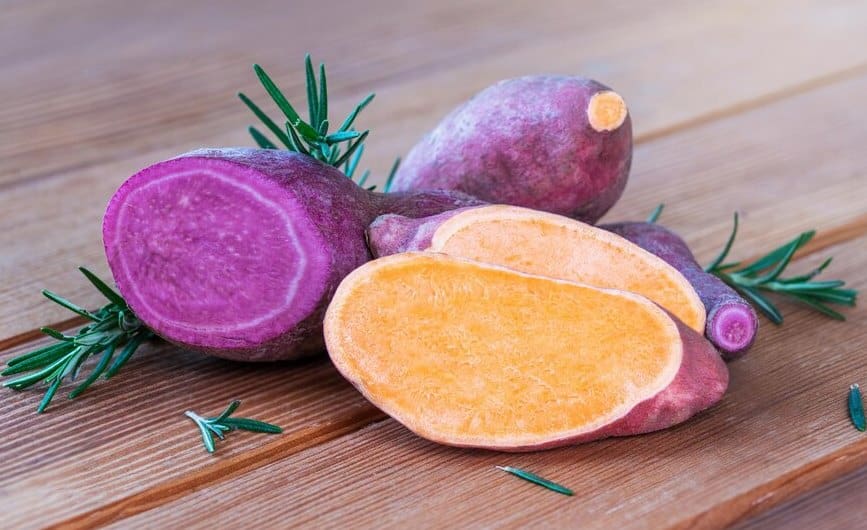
732 323
203 247
526 142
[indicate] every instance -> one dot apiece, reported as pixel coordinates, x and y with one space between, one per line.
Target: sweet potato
732 323
475 355
236 252
554 143
546 244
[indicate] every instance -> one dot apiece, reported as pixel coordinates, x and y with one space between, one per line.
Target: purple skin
731 321
237 252
390 234
526 142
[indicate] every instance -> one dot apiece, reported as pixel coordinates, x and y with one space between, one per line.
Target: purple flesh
731 321
236 252
526 142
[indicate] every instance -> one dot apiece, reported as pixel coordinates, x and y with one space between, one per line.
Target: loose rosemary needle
536 479
219 425
856 408
342 148
112 327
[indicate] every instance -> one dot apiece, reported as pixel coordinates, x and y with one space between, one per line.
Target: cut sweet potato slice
546 244
471 354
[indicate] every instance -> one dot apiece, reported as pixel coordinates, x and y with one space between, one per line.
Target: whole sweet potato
554 143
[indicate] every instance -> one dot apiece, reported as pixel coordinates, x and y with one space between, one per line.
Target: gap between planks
737 509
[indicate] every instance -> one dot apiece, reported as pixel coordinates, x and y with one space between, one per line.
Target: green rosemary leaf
296 144
323 98
323 128
49 395
97 371
785 260
106 291
351 149
536 479
246 424
126 353
810 275
230 409
818 306
726 249
312 92
779 253
390 179
856 408
69 305
342 136
37 356
835 296
347 123
762 304
55 334
269 123
654 215
208 440
352 164
306 131
363 178
278 97
43 374
260 139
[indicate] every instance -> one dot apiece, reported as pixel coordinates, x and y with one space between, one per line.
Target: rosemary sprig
765 276
342 148
536 479
654 215
111 327
220 425
856 408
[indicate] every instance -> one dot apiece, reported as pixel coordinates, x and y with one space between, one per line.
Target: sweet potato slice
545 244
471 354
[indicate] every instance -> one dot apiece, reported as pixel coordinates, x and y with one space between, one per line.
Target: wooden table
737 105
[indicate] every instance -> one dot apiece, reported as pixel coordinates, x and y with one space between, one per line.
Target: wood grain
737 105
782 424
621 46
740 151
837 504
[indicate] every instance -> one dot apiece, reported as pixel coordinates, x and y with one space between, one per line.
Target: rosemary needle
856 408
536 479
219 425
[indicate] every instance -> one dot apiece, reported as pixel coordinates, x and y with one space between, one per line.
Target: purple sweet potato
731 321
237 252
553 143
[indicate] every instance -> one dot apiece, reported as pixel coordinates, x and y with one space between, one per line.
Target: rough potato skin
526 142
732 323
390 233
338 208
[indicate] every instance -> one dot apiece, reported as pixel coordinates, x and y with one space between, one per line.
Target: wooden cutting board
737 105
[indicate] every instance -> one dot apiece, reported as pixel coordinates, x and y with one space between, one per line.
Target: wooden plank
136 89
838 504
295 397
37 254
784 416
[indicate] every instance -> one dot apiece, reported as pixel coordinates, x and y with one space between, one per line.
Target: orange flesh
472 354
552 245
606 111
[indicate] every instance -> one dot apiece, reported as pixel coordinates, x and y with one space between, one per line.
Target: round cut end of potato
606 111
471 354
552 245
212 254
